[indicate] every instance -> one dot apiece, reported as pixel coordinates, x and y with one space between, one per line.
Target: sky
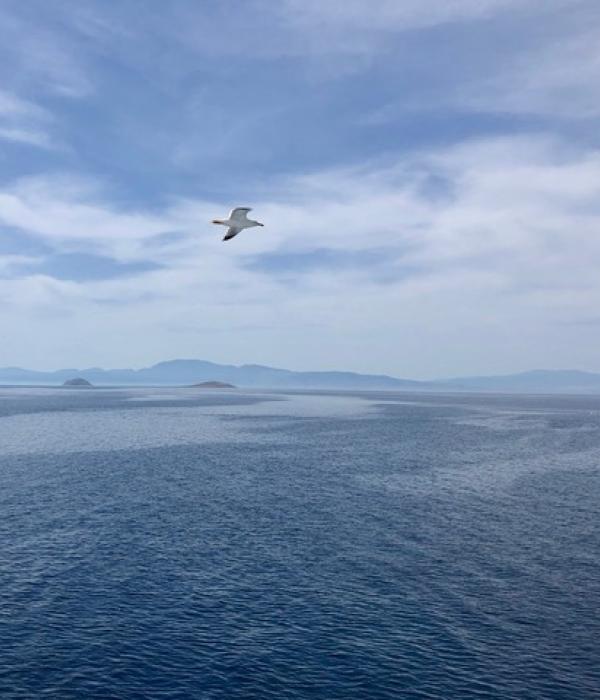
428 173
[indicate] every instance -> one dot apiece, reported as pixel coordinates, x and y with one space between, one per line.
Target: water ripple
299 547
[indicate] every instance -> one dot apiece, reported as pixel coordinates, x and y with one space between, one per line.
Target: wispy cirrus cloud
23 121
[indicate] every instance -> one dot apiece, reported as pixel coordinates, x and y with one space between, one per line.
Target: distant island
78 382
213 385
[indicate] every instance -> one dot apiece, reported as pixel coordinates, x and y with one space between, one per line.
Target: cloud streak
22 121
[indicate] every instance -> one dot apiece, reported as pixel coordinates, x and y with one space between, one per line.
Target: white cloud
11 105
430 257
67 211
23 121
28 136
12 264
511 243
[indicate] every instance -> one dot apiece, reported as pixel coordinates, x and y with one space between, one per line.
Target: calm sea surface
161 543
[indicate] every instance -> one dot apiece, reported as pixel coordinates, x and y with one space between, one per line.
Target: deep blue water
171 544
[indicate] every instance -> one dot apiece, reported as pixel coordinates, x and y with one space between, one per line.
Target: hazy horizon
427 173
88 368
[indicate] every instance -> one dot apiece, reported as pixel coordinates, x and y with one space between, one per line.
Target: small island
212 385
78 383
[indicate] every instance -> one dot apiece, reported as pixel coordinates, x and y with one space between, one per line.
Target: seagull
237 221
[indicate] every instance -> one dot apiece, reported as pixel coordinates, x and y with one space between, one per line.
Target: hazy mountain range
177 372
186 372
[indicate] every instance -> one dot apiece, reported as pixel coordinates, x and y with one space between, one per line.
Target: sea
185 543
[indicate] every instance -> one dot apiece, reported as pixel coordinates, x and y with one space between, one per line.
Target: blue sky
428 173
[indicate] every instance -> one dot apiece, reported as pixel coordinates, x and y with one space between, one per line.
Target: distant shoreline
442 391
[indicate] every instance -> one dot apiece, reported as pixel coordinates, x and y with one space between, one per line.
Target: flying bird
237 221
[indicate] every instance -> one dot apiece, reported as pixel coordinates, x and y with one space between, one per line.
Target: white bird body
236 221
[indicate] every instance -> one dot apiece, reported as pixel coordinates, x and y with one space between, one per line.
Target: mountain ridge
187 371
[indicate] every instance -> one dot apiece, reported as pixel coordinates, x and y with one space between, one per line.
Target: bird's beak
216 221
258 222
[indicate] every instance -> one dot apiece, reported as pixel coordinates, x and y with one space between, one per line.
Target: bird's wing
239 213
231 232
